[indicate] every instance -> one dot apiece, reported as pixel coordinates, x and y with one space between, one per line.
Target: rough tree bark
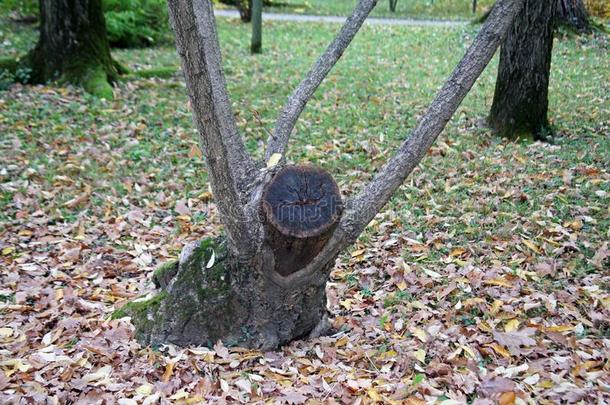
256 44
573 14
73 47
520 103
264 284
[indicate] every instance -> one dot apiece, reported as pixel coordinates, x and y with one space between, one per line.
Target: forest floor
486 278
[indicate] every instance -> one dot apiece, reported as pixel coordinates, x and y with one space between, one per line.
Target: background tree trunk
73 46
256 45
520 101
393 5
245 10
573 14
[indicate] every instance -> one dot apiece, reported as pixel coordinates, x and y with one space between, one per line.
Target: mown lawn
485 277
434 9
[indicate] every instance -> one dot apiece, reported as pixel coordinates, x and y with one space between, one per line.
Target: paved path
336 19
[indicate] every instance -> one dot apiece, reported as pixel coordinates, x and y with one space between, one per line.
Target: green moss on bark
164 273
144 314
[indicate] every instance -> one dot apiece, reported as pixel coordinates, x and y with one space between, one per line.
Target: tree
520 102
263 283
256 45
573 14
393 4
72 47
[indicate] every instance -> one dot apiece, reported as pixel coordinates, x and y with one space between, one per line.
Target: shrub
136 23
598 8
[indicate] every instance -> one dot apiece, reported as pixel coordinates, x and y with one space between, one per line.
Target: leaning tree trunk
263 284
573 14
520 102
73 46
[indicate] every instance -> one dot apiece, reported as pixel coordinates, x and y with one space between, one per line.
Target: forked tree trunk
210 295
520 103
73 46
264 284
573 14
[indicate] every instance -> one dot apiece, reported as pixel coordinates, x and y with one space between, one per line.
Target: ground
435 9
485 277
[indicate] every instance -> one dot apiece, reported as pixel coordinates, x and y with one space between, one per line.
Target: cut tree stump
263 302
302 206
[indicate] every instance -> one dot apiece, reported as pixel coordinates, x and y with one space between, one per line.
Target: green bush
130 23
20 8
136 23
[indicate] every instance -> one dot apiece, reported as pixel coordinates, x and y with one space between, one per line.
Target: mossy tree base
209 296
72 48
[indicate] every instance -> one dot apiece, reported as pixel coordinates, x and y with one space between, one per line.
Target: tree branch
231 168
278 142
361 209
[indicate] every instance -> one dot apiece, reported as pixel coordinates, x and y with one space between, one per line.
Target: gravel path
337 19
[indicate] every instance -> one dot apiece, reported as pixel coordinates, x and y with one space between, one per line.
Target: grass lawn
434 9
485 277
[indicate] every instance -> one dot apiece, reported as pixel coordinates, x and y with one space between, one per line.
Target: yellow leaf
560 328
511 325
484 326
500 350
402 285
507 398
16 364
457 252
358 252
6 332
420 355
144 389
274 160
469 351
347 304
7 251
431 273
546 384
182 394
495 307
169 370
341 342
501 282
420 334
372 393
205 196
531 245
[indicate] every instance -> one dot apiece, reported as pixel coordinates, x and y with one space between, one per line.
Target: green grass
434 9
134 157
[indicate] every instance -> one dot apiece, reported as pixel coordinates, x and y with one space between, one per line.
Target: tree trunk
73 46
520 103
256 45
573 14
245 10
393 5
262 302
264 284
